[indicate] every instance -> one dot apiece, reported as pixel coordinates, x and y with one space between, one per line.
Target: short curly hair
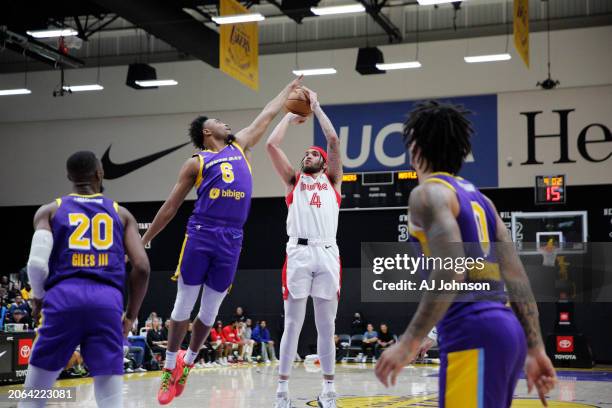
195 131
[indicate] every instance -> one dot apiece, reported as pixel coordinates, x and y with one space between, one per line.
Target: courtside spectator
385 339
246 335
218 343
232 339
20 317
357 325
156 339
239 314
261 336
20 304
370 338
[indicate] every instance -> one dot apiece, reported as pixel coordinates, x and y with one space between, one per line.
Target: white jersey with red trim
314 205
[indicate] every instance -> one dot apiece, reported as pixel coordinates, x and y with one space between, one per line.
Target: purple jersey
87 241
224 187
477 223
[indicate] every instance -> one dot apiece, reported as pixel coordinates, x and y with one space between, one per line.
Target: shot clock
550 189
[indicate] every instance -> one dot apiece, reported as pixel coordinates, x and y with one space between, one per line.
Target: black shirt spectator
239 315
384 335
357 326
156 339
385 339
20 317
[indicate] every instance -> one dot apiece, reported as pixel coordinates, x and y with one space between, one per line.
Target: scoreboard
550 189
377 190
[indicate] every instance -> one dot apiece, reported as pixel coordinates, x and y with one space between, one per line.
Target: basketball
299 102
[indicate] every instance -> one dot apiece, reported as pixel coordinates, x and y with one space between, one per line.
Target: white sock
328 386
190 357
170 360
283 386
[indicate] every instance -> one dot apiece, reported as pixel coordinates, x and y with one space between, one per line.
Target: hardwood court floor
254 386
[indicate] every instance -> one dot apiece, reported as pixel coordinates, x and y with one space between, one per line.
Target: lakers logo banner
239 47
521 29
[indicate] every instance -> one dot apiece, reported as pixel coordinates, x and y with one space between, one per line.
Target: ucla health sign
371 136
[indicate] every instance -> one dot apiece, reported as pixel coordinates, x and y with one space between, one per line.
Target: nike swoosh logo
3 353
113 170
327 246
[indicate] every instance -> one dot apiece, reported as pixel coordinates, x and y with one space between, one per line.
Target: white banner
564 131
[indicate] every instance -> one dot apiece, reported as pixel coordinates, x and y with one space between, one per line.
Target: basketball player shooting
221 174
312 266
483 345
77 272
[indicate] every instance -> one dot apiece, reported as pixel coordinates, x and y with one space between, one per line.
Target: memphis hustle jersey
87 241
313 205
477 223
224 187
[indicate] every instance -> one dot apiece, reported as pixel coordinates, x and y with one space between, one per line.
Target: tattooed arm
334 164
538 367
519 290
433 207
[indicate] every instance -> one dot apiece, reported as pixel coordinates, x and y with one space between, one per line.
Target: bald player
77 272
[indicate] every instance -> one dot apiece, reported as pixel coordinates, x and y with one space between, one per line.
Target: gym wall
38 132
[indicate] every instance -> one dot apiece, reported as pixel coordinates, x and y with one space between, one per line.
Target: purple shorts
482 355
210 255
82 312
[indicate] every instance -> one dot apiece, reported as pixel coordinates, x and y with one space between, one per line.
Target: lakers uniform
312 266
213 241
83 303
482 344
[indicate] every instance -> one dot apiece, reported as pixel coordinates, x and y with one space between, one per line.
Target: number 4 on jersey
316 200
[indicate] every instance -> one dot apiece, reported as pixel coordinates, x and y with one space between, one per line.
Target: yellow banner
239 47
521 29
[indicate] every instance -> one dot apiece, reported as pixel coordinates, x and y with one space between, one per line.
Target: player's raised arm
186 180
334 158
139 276
538 368
431 207
279 158
250 136
40 252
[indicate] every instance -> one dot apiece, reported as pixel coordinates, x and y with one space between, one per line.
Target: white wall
38 132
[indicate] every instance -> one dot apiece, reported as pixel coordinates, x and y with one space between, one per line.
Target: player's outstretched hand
540 373
295 119
393 360
313 97
296 83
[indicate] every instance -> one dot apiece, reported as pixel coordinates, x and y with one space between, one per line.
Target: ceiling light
66 32
487 58
399 65
315 71
81 88
157 82
432 2
238 18
349 8
19 91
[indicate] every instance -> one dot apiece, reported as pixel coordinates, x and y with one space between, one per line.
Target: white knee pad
209 305
108 390
186 297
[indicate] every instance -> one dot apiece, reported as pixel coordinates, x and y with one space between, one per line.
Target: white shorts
312 270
